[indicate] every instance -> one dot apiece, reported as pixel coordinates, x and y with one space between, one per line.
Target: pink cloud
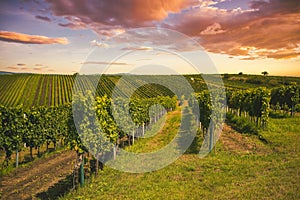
255 33
30 39
121 13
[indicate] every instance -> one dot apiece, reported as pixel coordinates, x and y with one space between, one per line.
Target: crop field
44 120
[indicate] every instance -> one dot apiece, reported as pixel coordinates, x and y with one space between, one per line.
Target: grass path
162 133
242 168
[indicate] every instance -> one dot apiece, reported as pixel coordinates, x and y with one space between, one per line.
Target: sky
69 36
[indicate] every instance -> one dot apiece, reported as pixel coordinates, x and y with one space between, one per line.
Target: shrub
241 124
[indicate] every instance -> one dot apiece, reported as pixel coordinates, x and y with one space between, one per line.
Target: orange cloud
120 13
30 39
259 32
276 36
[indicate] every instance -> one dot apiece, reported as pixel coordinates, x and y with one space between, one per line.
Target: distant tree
265 73
240 73
226 76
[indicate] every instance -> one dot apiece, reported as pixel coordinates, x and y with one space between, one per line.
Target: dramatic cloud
30 39
122 13
267 29
260 35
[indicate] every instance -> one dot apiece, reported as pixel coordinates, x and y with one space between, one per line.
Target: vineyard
53 90
43 110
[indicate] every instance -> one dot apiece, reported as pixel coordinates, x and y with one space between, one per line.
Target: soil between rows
36 179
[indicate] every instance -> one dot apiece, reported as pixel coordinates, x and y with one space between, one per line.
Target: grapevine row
44 125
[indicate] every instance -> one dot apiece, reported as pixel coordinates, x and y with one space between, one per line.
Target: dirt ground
44 179
241 143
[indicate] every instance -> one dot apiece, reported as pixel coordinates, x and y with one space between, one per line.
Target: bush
241 124
254 81
297 108
278 115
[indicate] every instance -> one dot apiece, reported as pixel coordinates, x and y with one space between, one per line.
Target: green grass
162 133
270 174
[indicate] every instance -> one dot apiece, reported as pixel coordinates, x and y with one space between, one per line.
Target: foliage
94 128
265 73
241 124
254 102
12 130
286 97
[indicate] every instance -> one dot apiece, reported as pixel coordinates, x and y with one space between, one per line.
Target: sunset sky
56 36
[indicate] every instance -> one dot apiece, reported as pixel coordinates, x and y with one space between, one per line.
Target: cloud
265 34
74 26
104 63
280 54
17 68
99 44
212 30
21 64
13 67
120 13
44 18
265 25
144 59
248 58
30 39
141 48
37 68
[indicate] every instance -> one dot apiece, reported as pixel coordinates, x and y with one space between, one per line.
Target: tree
265 73
226 76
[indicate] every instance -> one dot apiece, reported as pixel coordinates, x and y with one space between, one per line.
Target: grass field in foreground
270 173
